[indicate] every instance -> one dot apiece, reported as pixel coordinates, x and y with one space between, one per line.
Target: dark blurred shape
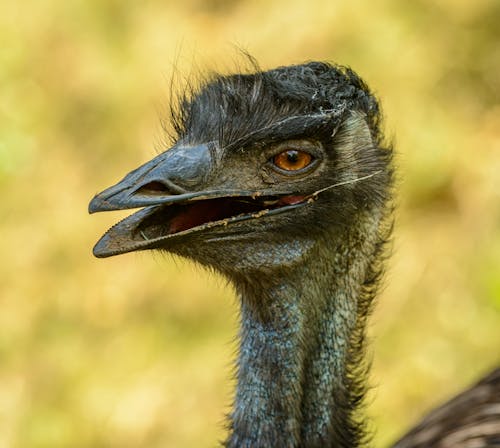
470 420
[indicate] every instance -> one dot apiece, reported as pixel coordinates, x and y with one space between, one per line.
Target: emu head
263 166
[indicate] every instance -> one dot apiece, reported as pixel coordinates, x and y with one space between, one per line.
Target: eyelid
313 147
283 160
315 161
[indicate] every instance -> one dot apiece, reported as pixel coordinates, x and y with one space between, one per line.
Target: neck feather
301 375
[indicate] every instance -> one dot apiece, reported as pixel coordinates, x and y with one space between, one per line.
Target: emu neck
301 341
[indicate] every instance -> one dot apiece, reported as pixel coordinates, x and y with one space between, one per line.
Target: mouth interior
175 218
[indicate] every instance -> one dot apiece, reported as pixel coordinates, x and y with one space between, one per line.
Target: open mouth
153 225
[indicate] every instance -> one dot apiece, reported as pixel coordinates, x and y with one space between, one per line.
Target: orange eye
292 160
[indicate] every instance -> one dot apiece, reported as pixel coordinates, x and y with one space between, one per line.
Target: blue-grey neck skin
301 341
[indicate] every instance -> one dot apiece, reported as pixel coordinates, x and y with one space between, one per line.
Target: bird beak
164 179
172 189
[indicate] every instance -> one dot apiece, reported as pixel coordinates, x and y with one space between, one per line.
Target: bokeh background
137 351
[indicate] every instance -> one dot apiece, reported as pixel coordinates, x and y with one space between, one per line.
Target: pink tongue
203 212
291 200
194 216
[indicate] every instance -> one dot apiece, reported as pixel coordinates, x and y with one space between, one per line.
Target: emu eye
292 160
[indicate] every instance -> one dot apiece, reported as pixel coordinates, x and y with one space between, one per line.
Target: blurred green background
137 351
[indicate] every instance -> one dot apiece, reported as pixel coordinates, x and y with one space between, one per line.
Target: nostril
152 188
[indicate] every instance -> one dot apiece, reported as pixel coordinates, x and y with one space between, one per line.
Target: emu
282 181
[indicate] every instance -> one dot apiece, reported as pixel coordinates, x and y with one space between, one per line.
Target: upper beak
166 178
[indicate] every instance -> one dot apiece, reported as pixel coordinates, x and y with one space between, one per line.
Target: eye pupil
292 156
292 160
